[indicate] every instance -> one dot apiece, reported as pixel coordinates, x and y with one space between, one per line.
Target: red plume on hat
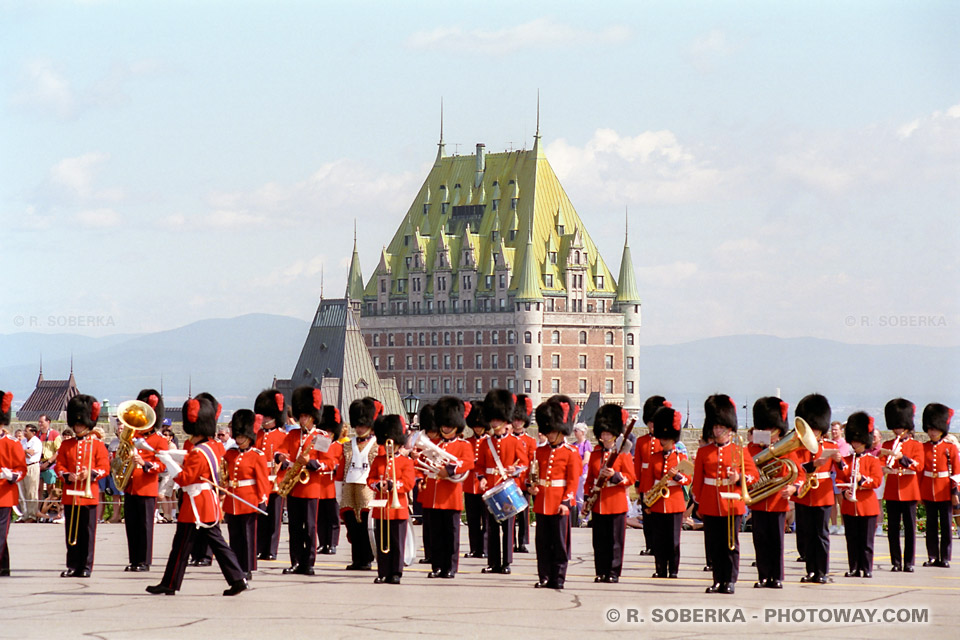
576 410
870 424
6 402
666 403
95 412
219 409
317 399
378 409
466 408
279 398
152 400
566 411
257 422
677 418
336 415
528 402
949 416
514 398
784 407
733 402
193 409
403 423
625 416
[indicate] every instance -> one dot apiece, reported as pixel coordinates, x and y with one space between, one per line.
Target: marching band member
81 460
666 514
903 460
269 405
645 450
862 474
769 515
328 511
431 433
938 486
609 515
473 506
140 494
200 513
720 468
390 476
814 501
501 458
200 553
522 414
249 479
13 468
554 497
354 471
300 447
444 493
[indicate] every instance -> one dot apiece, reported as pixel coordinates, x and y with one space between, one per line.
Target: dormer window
598 282
406 241
444 208
426 208
494 235
560 229
407 261
513 204
513 234
496 204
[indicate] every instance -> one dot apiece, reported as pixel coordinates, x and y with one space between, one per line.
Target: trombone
733 496
394 500
74 533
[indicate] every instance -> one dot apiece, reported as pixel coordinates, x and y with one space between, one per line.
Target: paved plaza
112 605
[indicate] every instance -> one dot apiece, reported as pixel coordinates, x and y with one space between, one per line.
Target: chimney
480 165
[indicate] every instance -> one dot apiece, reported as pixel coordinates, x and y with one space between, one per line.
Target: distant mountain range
235 358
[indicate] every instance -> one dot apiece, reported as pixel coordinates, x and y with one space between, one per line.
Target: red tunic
613 497
270 442
248 477
530 447
644 451
447 493
511 452
380 473
472 483
710 474
200 500
777 503
12 458
871 475
823 495
560 469
660 464
144 479
940 461
321 483
77 457
903 483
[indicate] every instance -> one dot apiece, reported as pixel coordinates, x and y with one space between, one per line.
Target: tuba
135 416
771 462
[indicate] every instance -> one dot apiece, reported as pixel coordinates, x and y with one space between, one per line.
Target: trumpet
850 493
136 417
892 458
430 458
74 533
394 499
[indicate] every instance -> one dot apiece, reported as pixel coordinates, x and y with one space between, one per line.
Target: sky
787 168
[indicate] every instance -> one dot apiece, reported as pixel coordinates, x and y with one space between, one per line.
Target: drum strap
496 458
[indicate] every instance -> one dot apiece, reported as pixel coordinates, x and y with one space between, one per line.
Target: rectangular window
583 386
609 386
548 280
376 362
527 386
433 386
583 361
479 361
433 362
409 362
511 384
478 386
629 362
446 362
446 385
478 338
630 387
390 363
494 361
459 361
555 385
390 340
608 361
459 385
494 383
555 361
511 361
421 362
421 386
527 362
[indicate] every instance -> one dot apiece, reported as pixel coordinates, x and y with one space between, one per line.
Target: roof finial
71 363
537 134
161 383
354 233
41 363
441 121
189 386
321 281
626 225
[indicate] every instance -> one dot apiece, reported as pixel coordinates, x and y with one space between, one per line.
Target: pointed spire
71 364
161 384
40 378
354 275
528 287
627 290
321 281
440 147
538 152
189 386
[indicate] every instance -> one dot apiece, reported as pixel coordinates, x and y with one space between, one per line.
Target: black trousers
426 532
269 526
242 529
499 541
906 512
183 541
768 543
939 542
391 563
476 512
646 532
726 561
665 529
553 548
444 527
609 535
814 525
80 555
302 525
6 517
360 551
138 519
523 524
328 522
860 531
801 521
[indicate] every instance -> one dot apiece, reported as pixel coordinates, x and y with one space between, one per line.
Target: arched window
629 338
608 338
527 337
555 337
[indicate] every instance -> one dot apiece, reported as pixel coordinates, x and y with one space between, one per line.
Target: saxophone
298 473
660 489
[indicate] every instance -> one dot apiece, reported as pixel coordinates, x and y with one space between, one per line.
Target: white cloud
98 218
709 49
76 177
43 86
536 34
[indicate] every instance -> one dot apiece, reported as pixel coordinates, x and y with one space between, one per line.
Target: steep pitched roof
627 290
50 397
355 276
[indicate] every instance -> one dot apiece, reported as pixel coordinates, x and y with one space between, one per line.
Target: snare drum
505 500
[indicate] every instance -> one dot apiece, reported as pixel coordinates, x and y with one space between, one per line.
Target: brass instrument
771 461
660 489
394 499
850 493
892 458
74 533
430 458
135 416
732 496
298 473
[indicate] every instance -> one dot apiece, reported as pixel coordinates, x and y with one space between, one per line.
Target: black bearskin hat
523 410
571 410
200 415
427 423
498 405
6 399
364 412
650 407
611 418
552 416
307 401
331 421
153 398
667 424
937 416
475 418
269 404
390 427
451 411
720 409
859 429
770 413
241 424
83 411
815 410
898 414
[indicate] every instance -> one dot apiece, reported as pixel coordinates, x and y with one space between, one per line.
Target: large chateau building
492 280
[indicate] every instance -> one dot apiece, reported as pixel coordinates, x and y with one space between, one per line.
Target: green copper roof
355 277
528 287
627 291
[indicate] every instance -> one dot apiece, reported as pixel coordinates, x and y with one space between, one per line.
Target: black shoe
505 569
4 573
327 550
521 549
943 564
379 580
773 584
139 568
930 563
425 561
753 564
157 589
291 569
658 575
852 574
266 556
810 577
235 588
612 579
393 580
867 574
358 567
760 584
131 567
646 552
714 588
896 567
433 574
75 573
908 568
449 575
598 579
822 579
490 570
726 588
672 576
249 575
708 567
540 585
305 571
202 562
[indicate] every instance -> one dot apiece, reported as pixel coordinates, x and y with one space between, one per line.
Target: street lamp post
411 404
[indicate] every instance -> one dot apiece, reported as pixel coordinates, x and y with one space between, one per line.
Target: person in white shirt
32 448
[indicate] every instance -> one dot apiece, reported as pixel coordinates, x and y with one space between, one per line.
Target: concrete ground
335 603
